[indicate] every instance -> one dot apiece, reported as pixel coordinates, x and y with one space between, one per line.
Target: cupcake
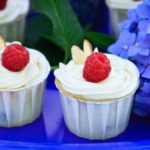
23 74
118 12
12 19
96 92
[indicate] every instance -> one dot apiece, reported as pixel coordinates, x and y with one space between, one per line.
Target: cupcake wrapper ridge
96 120
13 31
21 107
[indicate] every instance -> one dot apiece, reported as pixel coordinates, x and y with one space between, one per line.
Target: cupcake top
21 67
96 76
12 9
123 4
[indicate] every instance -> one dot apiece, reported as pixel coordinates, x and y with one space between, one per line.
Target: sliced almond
87 47
2 43
77 55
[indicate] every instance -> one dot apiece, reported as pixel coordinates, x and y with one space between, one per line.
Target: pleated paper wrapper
118 13
116 17
96 120
14 31
21 107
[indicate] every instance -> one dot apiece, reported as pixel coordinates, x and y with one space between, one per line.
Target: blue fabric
49 131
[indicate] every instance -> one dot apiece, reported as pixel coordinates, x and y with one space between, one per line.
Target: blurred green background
53 26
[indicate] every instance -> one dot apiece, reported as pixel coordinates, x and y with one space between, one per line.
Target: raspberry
3 4
97 67
15 57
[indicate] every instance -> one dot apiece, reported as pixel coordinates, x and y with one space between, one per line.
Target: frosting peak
13 9
123 79
123 4
36 71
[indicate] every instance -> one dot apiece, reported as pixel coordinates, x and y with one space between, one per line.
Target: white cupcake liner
116 17
96 120
118 12
13 31
22 106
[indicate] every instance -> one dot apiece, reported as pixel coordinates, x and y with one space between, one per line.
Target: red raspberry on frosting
97 67
3 4
15 57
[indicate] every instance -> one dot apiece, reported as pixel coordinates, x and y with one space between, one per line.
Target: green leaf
100 39
36 27
66 28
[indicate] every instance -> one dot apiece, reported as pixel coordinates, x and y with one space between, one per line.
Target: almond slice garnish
78 55
87 47
2 43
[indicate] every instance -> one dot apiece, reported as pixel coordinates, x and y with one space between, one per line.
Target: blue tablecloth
49 131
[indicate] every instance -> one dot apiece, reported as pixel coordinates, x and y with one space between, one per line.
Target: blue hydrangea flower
143 11
144 27
121 47
131 23
147 2
134 44
141 47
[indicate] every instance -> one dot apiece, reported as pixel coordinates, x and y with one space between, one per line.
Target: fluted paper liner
21 107
13 31
116 17
95 120
91 120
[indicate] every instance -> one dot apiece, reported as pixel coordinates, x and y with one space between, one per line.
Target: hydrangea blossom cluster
134 44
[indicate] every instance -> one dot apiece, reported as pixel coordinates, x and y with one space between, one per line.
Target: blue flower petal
141 35
115 49
125 25
143 11
131 23
146 88
140 109
142 59
142 99
143 40
128 25
144 51
148 29
141 68
143 26
132 15
146 73
147 2
133 50
124 54
145 43
126 38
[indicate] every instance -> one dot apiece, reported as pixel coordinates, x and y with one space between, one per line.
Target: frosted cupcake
96 92
12 19
23 74
118 11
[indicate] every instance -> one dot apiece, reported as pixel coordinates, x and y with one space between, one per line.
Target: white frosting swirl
123 4
13 10
123 79
35 72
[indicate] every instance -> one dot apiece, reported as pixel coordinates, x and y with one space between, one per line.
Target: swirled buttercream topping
36 70
123 4
123 79
13 9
